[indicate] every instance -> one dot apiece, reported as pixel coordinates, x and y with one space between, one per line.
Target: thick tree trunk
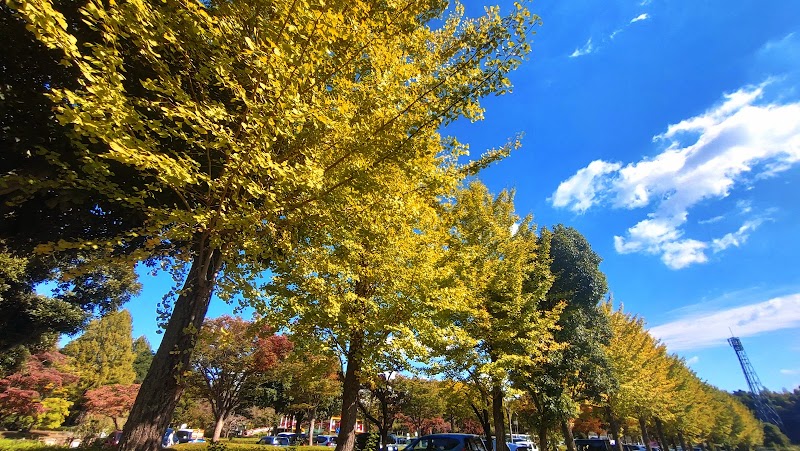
645 435
569 440
161 388
660 432
499 421
350 388
218 425
614 429
543 437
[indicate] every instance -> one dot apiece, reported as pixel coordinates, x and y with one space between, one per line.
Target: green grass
7 444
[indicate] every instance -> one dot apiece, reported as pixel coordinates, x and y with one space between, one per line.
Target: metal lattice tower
764 410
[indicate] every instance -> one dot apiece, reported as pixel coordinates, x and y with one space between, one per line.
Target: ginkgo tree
640 366
230 128
499 261
668 395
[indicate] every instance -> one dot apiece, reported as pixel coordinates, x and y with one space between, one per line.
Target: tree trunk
218 425
162 387
483 418
350 387
499 421
614 429
542 437
569 440
645 435
683 442
660 432
311 427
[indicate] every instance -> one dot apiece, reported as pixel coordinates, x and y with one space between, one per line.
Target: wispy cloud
591 47
710 329
692 360
711 220
585 50
706 157
791 372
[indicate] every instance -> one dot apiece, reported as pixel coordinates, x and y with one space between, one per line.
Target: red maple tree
113 401
21 393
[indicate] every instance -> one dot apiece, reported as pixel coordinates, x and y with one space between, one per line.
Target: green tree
221 126
231 353
36 209
576 372
143 358
103 355
32 322
774 438
505 270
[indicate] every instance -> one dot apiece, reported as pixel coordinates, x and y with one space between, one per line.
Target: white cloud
706 157
790 372
692 360
639 18
736 238
710 329
578 192
585 50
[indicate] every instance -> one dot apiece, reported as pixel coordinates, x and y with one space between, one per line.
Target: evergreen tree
104 355
143 358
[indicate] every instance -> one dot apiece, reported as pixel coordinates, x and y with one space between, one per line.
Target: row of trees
220 140
246 376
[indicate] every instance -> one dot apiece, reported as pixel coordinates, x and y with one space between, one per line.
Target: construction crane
764 410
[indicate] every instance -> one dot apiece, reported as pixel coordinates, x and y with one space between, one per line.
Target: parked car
446 442
189 436
113 439
593 444
325 440
393 442
513 446
273 440
168 439
292 436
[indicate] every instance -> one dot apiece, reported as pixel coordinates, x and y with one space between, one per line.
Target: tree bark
660 432
218 425
569 440
499 418
311 427
483 418
645 435
614 429
683 442
542 437
350 387
162 388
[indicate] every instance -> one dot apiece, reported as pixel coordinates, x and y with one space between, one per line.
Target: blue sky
668 133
